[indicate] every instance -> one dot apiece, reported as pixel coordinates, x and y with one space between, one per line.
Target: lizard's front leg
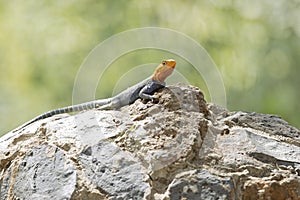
147 91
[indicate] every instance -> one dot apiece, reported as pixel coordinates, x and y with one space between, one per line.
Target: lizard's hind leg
112 104
108 106
102 102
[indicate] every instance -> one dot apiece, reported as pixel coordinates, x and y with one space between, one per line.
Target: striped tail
69 109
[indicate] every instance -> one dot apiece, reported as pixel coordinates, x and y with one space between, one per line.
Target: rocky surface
179 147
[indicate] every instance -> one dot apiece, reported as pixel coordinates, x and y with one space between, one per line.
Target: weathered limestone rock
179 147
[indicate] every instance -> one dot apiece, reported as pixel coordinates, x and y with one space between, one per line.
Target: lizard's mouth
171 63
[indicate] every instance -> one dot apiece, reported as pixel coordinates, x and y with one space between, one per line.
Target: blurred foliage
255 44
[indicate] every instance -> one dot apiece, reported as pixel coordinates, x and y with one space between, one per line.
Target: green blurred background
255 44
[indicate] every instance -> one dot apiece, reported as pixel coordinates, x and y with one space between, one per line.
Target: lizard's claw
155 98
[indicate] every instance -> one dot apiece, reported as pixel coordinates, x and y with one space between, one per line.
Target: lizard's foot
105 107
152 98
155 98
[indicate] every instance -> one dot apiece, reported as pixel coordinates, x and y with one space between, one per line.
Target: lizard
143 90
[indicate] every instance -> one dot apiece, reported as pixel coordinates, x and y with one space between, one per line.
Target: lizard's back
129 95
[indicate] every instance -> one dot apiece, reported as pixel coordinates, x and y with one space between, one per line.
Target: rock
36 176
200 184
179 147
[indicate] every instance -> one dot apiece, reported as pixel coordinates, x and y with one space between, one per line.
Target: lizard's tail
68 109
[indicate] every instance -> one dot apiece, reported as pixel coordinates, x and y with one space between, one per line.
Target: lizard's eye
164 62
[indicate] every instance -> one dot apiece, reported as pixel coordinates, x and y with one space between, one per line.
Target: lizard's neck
161 75
157 78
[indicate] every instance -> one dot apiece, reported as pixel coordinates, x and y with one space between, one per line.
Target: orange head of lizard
164 70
